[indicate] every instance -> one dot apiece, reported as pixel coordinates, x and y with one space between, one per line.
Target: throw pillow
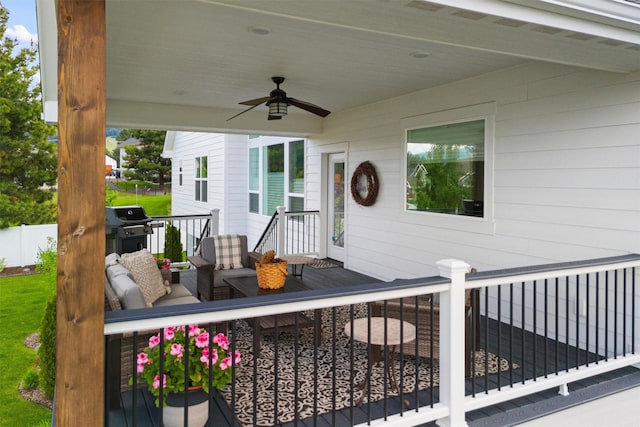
145 273
228 251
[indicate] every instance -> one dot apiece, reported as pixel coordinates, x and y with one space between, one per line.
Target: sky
22 20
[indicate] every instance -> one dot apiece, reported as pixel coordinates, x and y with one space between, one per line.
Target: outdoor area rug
323 263
319 385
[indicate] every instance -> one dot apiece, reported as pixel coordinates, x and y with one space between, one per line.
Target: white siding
566 165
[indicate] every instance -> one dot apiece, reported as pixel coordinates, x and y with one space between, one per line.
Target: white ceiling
187 64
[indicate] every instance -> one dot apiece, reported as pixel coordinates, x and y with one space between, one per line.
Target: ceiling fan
278 101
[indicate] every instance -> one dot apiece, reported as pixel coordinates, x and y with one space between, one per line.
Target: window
296 176
273 178
201 179
276 175
445 168
254 180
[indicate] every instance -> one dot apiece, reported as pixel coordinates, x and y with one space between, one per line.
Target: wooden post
81 213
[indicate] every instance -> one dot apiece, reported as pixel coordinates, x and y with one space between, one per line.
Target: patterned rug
323 263
323 391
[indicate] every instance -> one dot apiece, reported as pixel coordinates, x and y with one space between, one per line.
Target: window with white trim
276 176
448 167
201 179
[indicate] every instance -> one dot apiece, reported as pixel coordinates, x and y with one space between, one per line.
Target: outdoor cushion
228 252
146 274
171 300
129 294
117 269
109 259
111 298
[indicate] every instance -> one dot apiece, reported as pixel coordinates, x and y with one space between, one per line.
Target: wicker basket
271 275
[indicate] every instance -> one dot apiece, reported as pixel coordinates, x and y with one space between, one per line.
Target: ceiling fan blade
242 112
256 101
309 107
274 117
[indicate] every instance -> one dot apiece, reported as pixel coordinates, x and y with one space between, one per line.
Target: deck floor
507 413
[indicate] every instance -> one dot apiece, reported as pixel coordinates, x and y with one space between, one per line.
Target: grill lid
117 216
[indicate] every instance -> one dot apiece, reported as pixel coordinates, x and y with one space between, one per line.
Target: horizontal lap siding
566 164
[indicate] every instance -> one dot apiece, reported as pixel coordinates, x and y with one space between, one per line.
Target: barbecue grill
126 229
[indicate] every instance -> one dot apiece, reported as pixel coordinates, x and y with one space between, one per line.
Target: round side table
397 333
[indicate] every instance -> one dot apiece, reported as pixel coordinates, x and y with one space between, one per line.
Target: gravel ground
34 395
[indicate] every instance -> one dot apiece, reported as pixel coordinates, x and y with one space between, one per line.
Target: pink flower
156 381
154 341
238 358
169 333
225 363
222 341
176 350
143 359
193 330
202 340
205 356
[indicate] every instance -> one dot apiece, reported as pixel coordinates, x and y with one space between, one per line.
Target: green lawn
22 303
153 205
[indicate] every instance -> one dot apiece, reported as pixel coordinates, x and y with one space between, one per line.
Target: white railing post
215 222
281 228
452 343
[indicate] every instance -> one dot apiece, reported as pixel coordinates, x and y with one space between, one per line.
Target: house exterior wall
566 173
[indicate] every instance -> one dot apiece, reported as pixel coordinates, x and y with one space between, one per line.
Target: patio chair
210 282
426 342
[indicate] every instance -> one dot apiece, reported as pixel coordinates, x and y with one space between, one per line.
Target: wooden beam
81 213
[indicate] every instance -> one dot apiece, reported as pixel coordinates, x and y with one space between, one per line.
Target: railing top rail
123 321
301 212
196 216
494 277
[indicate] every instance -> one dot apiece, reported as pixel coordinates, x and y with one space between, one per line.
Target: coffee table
248 287
397 333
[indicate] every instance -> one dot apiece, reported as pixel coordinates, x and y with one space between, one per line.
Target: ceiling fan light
278 109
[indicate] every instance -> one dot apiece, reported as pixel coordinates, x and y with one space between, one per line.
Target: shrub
47 350
172 244
31 379
47 259
3 264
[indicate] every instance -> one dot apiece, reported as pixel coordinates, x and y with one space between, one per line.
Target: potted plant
202 358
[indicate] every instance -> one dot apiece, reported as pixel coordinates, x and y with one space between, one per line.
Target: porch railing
187 229
291 233
529 329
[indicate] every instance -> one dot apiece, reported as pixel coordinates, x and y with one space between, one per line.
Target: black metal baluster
615 315
633 310
486 341
352 373
276 366
234 332
334 361
401 385
474 337
587 319
369 351
511 337
161 369
546 328
597 349
185 401
522 332
557 325
499 336
566 326
210 330
134 401
256 354
606 316
624 311
535 330
296 367
385 371
577 321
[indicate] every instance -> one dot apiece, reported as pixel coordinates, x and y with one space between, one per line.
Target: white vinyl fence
19 245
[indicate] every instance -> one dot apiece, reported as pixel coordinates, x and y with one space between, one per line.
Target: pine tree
145 162
28 159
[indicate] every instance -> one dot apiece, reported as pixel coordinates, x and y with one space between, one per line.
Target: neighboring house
231 173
